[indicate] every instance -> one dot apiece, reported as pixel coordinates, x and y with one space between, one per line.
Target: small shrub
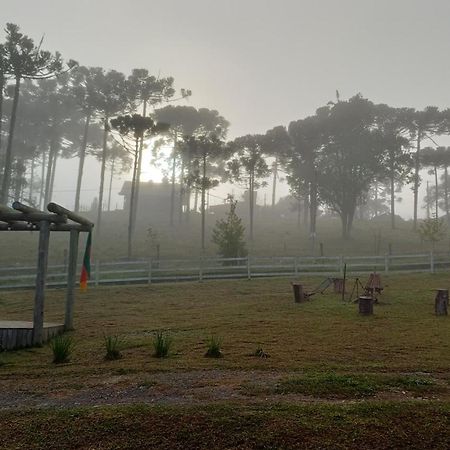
260 353
113 345
214 348
62 347
161 345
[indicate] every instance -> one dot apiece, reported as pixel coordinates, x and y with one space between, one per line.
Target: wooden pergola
25 218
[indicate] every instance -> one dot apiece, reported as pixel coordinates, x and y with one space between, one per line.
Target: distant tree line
351 157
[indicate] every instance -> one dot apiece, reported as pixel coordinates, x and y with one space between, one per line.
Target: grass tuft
161 345
214 348
113 345
62 347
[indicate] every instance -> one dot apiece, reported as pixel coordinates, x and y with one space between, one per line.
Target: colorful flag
86 269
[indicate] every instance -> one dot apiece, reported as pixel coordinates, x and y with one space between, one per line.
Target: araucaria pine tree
228 234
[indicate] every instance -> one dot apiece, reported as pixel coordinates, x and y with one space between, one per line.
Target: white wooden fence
156 271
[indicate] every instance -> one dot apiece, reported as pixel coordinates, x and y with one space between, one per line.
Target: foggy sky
260 63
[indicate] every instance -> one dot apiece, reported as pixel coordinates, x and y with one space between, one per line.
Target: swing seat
374 285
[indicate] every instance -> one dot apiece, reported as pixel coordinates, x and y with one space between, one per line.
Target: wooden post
299 295
344 281
39 296
150 271
365 304
97 272
441 302
71 278
200 271
321 249
249 274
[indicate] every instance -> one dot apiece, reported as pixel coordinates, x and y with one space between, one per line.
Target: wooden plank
71 279
39 298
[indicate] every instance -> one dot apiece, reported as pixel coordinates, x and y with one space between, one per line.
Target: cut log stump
338 285
299 295
365 304
441 302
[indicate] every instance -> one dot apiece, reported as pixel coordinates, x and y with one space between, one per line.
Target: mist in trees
351 159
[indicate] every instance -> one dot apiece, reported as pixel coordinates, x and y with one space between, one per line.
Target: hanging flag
86 269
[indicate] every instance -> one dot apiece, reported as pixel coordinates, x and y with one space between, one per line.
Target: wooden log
25 208
24 226
441 302
338 285
71 279
365 304
39 297
33 217
299 295
57 209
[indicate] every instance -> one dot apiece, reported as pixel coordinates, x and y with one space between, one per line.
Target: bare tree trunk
20 171
102 179
2 87
196 199
52 183
139 169
110 183
31 188
436 194
132 200
416 179
82 156
275 177
50 170
428 200
9 147
392 202
376 198
251 201
446 194
203 202
181 193
42 190
172 193
313 205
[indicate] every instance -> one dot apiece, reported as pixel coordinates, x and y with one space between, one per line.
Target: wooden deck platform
19 334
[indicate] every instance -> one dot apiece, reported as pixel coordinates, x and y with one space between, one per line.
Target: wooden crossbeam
57 209
25 226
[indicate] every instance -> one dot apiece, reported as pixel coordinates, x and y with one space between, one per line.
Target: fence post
431 262
200 271
249 274
386 263
97 272
341 265
150 263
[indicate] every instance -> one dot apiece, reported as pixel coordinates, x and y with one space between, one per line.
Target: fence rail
156 271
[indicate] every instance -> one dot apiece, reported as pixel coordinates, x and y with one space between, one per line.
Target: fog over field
259 63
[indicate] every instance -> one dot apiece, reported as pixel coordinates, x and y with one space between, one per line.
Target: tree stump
299 295
365 304
338 285
441 302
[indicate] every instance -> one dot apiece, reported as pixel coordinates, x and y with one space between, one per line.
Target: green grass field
332 378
